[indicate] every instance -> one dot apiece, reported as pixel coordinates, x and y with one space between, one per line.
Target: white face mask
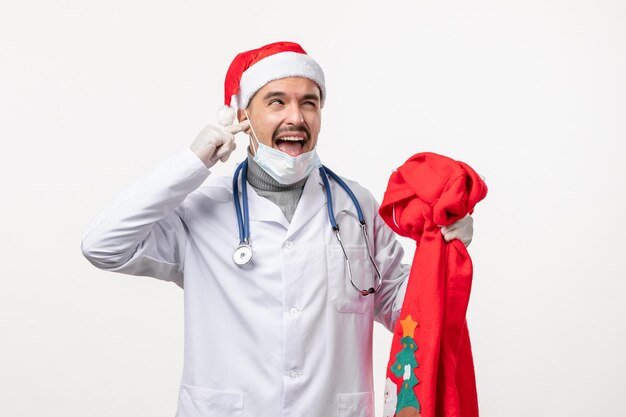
285 169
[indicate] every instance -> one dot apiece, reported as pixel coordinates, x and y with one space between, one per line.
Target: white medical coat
286 335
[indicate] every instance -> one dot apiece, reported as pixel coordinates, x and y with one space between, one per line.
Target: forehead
298 86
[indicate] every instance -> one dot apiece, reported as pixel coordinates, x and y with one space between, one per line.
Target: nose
294 115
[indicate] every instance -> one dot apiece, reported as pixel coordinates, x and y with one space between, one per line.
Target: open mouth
291 145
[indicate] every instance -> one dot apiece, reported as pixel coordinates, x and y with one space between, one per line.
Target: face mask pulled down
285 169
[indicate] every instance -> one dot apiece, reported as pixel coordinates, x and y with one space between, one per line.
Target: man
287 332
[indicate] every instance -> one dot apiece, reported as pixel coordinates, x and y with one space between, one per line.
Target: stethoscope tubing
243 221
324 173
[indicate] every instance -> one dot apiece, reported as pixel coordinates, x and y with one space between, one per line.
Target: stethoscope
243 252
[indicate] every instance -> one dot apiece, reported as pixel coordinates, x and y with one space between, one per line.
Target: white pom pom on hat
226 115
251 70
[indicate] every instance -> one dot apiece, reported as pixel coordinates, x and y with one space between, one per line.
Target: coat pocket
359 404
205 402
340 290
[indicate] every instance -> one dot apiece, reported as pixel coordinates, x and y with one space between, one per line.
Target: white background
531 93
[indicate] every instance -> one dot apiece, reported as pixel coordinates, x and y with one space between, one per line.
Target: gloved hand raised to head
215 143
461 229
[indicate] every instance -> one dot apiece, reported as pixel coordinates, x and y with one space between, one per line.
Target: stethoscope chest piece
243 254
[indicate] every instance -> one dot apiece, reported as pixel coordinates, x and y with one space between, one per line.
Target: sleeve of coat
142 232
389 254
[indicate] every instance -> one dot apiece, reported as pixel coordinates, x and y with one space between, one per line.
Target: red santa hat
251 70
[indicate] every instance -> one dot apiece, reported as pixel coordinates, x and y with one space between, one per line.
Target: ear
241 116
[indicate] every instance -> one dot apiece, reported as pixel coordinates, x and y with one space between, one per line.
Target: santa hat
251 70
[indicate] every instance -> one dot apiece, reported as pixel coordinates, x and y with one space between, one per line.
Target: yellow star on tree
408 326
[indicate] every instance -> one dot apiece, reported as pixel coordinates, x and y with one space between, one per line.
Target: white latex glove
215 143
461 229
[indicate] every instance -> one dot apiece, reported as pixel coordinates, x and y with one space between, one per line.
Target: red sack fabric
431 363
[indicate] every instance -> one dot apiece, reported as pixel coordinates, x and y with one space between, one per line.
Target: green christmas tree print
404 365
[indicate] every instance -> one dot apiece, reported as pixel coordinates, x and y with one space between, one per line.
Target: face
285 115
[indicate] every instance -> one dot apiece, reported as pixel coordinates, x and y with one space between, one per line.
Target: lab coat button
294 311
289 244
294 374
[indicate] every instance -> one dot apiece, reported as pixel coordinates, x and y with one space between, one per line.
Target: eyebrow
273 94
311 97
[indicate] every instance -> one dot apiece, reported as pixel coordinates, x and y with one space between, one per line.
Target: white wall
530 93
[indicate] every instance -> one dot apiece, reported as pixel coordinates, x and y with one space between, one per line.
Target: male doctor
276 324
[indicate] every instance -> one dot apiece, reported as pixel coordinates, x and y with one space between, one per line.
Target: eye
310 103
275 101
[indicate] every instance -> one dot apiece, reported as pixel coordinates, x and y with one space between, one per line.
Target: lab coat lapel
312 200
262 209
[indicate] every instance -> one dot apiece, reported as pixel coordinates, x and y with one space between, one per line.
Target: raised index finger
237 127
